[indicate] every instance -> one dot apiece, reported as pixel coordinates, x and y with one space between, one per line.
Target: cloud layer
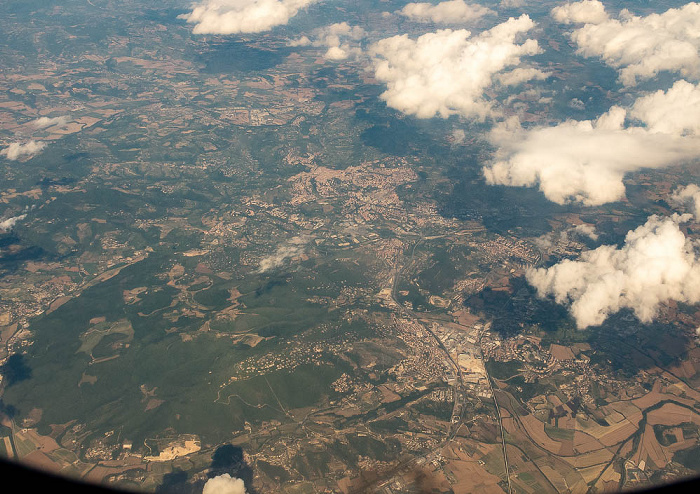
224 484
586 161
639 47
242 16
656 264
17 150
446 72
450 12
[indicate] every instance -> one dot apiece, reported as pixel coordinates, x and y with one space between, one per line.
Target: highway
459 392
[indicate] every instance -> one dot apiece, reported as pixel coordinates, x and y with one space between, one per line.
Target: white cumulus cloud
657 263
340 39
450 12
18 150
688 196
551 240
586 230
8 224
446 72
639 47
675 111
242 16
585 12
224 484
520 75
586 161
458 136
293 248
44 122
